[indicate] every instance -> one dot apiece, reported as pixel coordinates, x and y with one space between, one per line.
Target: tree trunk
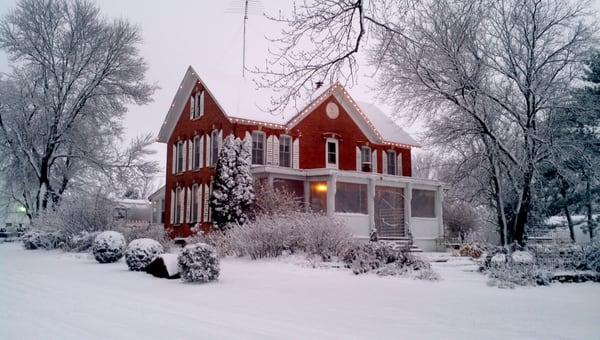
523 211
590 220
502 225
569 222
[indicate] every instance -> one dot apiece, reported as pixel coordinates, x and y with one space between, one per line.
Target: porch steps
405 242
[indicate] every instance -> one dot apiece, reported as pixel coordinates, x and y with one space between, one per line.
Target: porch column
306 195
439 200
270 180
407 208
371 203
331 187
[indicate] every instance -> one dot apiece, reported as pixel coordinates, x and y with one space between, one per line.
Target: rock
164 266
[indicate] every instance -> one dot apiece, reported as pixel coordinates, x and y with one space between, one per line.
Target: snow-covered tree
232 192
73 74
484 75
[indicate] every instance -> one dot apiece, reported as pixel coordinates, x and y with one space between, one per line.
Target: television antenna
245 7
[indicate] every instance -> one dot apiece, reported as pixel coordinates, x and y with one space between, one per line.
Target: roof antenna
246 7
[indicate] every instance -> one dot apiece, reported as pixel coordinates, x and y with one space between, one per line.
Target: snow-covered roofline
241 102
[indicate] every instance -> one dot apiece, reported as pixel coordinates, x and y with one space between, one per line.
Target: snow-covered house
342 157
133 212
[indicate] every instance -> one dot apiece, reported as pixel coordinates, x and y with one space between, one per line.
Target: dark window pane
423 203
351 198
391 159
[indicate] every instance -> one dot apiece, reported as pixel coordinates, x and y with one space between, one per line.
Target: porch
397 208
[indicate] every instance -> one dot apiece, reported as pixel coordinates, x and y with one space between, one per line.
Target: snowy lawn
54 295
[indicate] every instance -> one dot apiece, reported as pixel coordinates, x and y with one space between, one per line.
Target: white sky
179 33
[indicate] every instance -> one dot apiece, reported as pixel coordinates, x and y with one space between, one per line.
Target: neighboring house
157 202
342 157
133 212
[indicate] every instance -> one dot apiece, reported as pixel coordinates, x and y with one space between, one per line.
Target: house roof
241 100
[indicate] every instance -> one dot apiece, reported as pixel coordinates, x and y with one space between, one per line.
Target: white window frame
394 159
290 147
264 149
177 218
337 153
214 141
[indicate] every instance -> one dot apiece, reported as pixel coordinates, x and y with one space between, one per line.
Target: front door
389 212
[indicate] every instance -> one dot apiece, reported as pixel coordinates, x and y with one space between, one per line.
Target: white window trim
337 153
291 149
264 145
198 105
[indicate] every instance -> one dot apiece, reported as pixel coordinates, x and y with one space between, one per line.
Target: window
294 188
196 154
285 151
331 153
318 196
351 198
423 203
214 147
194 204
258 147
178 206
198 105
180 155
391 162
365 155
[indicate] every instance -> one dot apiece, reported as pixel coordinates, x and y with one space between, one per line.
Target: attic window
198 110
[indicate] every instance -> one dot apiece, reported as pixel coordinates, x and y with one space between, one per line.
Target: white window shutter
190 154
209 195
248 136
385 165
275 150
270 150
201 104
399 165
201 153
374 161
358 159
206 198
192 107
184 156
198 199
181 205
174 164
220 140
187 204
296 153
172 214
208 151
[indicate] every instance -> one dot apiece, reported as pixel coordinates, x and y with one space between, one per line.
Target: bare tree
74 72
484 74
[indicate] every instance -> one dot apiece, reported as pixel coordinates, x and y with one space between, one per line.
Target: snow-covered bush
275 201
108 246
592 256
473 250
559 256
198 263
141 252
43 239
388 259
82 241
77 213
271 235
521 257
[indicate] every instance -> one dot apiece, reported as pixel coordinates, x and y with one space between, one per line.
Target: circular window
332 110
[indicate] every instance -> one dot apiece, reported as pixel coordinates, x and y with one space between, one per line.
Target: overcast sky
202 33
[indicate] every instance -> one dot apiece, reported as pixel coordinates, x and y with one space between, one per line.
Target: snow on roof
385 125
240 98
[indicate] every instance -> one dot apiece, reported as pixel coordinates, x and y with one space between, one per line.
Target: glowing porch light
321 187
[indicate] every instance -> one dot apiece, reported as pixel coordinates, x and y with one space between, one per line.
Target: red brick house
343 157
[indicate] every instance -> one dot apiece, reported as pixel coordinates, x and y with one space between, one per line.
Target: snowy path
53 295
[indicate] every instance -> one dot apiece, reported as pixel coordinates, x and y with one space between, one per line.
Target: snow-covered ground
54 295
